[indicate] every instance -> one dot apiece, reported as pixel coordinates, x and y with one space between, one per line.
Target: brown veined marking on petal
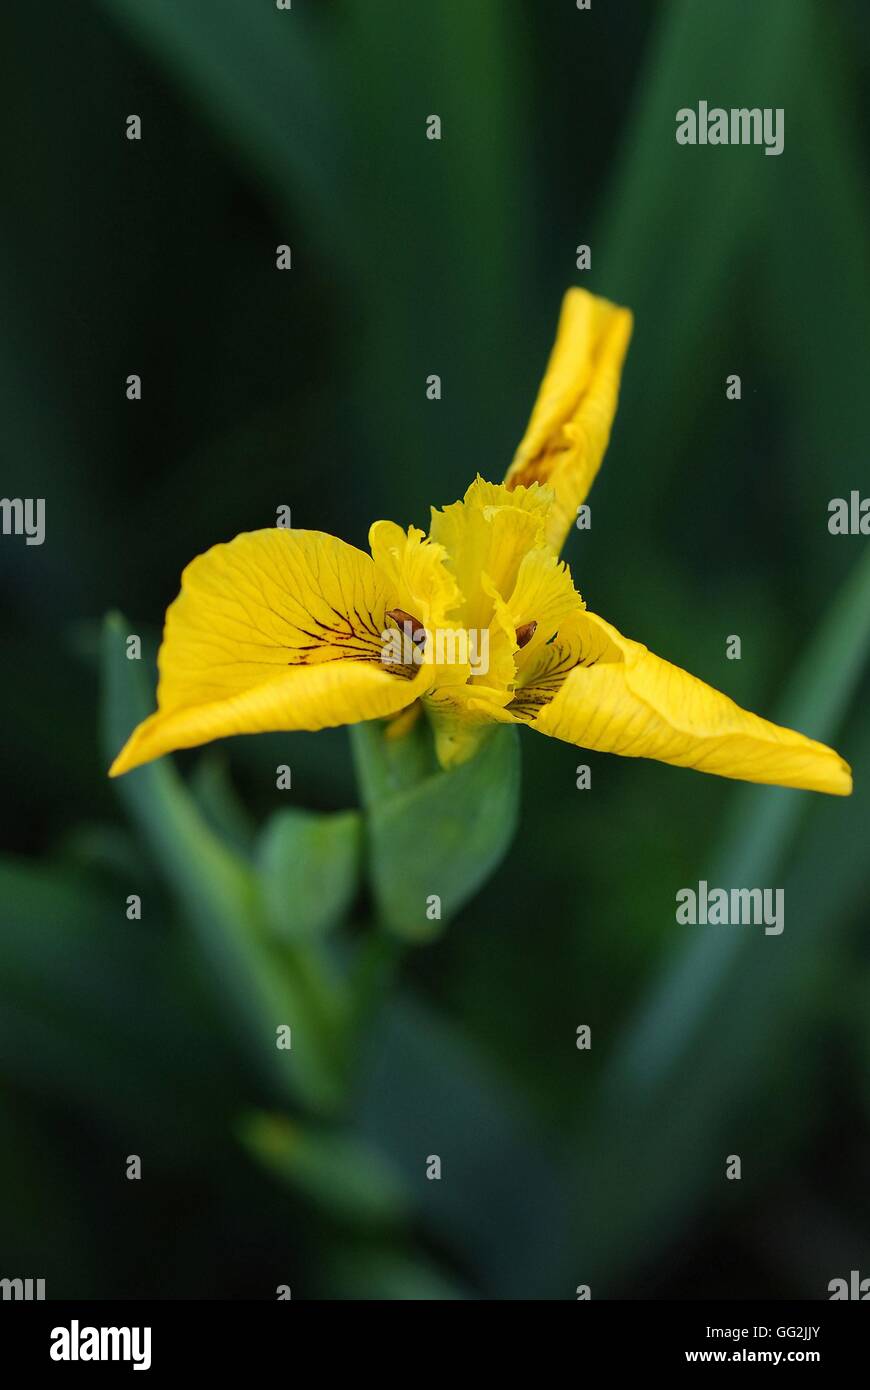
539 468
405 673
349 645
375 631
394 669
369 651
560 660
369 626
351 630
436 697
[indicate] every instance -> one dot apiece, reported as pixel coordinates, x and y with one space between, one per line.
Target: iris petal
276 630
622 699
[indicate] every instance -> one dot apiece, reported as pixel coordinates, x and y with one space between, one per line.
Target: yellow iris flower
282 629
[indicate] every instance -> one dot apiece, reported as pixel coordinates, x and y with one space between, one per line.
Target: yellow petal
542 597
544 594
461 717
509 578
569 427
415 570
276 630
488 497
625 700
488 533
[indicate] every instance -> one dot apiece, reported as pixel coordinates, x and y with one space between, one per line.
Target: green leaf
221 900
697 1066
215 796
372 1272
255 72
499 1205
309 869
386 765
93 1010
47 1214
757 832
659 188
258 76
442 836
344 1176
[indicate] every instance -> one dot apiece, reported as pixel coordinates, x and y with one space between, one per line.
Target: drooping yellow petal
623 699
276 630
569 427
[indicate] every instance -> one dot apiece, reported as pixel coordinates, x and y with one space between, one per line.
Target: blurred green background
307 389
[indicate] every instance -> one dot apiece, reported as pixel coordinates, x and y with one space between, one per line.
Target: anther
526 633
411 625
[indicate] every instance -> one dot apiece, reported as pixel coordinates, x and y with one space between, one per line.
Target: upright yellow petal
542 597
622 699
569 427
541 603
488 533
276 630
415 570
